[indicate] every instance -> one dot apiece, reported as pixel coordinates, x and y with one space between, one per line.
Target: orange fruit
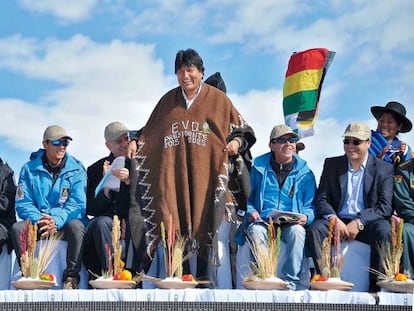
126 275
401 277
315 278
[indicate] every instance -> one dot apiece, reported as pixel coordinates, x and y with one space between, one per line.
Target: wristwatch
359 224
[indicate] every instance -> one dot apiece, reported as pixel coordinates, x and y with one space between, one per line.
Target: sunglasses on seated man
284 140
355 142
58 142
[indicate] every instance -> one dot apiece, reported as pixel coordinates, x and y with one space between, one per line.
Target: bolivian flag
301 91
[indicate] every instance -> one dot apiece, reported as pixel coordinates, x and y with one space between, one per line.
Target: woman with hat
385 142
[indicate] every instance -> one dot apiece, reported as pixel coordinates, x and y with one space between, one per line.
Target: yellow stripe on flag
302 81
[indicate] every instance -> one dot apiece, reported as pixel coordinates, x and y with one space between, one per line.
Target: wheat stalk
47 250
266 256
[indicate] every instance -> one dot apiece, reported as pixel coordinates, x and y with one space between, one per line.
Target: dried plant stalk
116 245
266 256
332 259
30 265
47 250
391 252
177 257
174 247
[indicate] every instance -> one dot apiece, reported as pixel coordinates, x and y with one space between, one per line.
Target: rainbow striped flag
302 88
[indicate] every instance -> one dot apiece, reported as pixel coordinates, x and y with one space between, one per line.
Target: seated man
281 180
108 202
51 193
7 211
355 188
404 205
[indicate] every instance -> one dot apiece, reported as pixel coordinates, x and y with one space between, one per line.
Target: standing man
281 180
108 202
183 156
357 189
52 193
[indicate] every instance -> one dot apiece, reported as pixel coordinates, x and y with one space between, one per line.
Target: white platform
188 295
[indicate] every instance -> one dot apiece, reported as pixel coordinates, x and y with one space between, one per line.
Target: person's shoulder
259 160
301 165
171 92
336 159
381 164
98 163
4 166
213 91
74 163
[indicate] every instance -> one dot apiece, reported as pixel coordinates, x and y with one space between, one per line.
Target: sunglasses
58 142
284 140
355 142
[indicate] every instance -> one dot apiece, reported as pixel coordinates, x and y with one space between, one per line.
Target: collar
188 102
361 167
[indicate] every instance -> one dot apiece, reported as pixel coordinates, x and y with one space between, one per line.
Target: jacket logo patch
20 192
64 195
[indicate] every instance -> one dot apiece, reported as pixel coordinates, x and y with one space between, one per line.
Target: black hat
217 81
397 109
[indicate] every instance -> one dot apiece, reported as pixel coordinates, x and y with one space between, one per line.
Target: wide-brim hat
395 108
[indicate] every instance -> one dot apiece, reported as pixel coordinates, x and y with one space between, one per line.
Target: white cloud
68 11
99 83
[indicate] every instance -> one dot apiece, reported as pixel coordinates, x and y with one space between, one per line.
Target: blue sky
84 63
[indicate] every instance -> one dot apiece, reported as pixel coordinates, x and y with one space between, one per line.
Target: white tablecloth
193 295
387 298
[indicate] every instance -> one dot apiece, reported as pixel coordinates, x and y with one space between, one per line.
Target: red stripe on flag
309 59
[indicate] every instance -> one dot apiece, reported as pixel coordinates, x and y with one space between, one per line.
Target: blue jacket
64 200
296 194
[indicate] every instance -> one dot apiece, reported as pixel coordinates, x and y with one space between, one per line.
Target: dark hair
188 57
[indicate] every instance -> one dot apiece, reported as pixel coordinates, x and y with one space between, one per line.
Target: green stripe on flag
300 101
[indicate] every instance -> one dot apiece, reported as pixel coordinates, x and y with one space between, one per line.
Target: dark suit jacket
378 188
117 204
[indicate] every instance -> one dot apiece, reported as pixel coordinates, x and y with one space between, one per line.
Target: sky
82 64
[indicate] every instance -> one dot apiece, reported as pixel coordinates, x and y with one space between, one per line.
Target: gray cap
280 130
359 130
114 130
55 132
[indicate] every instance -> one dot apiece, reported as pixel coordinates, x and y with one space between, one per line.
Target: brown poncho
183 165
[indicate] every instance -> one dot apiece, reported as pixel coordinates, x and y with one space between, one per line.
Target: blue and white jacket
296 194
64 199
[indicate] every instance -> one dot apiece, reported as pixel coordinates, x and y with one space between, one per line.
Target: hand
122 174
343 229
233 147
383 152
403 146
105 167
47 226
132 149
352 229
255 217
302 220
